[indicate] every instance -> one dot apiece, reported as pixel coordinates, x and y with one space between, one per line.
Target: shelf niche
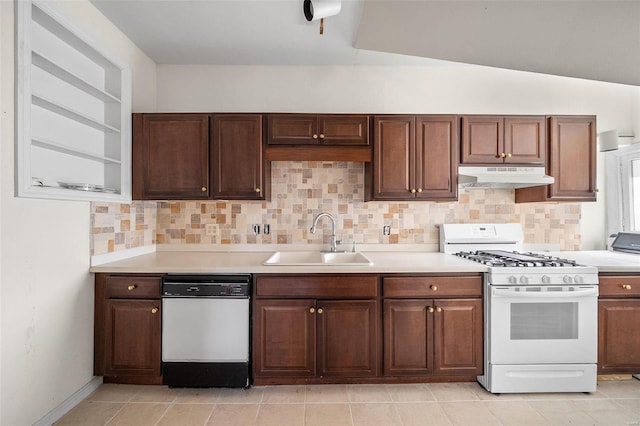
73 112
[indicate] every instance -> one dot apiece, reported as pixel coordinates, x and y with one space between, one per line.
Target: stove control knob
578 279
567 279
546 279
524 280
513 279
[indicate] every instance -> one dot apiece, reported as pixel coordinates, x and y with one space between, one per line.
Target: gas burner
502 258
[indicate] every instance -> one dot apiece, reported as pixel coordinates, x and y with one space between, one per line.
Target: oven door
543 325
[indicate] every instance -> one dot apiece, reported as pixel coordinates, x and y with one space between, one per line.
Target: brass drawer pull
625 286
154 310
433 287
203 189
132 287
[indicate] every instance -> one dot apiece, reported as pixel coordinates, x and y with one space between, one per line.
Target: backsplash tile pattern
117 227
299 191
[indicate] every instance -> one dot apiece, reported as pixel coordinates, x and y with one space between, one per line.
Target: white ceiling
593 39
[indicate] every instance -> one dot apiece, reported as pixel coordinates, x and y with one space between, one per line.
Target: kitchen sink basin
315 258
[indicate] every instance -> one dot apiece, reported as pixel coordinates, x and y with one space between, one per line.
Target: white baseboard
69 403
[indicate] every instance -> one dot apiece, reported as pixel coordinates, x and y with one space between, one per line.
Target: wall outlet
256 229
266 229
386 230
211 229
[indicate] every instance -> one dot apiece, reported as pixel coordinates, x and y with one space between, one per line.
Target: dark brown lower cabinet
433 337
315 329
127 333
618 324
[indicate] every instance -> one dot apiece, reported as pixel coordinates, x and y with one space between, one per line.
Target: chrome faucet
333 229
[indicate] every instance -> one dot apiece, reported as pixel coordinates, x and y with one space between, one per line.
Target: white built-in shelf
54 146
59 72
73 109
52 106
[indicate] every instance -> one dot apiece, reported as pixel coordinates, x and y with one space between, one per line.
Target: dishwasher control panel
237 286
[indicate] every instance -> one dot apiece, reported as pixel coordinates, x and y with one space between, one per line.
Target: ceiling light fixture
320 9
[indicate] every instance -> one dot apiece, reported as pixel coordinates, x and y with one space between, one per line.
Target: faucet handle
353 244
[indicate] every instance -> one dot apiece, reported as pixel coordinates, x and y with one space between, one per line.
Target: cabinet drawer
431 287
133 287
619 286
319 286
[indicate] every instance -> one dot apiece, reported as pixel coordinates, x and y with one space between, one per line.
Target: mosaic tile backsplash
300 190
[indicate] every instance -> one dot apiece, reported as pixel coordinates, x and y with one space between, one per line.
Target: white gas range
541 312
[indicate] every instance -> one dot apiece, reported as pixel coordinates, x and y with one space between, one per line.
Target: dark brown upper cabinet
571 160
312 129
415 158
492 139
199 156
170 156
237 163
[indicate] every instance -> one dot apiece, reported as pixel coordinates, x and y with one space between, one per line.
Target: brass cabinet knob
258 190
503 155
430 309
154 310
419 189
203 189
509 155
312 310
315 136
433 287
320 311
413 191
438 309
321 135
626 286
132 287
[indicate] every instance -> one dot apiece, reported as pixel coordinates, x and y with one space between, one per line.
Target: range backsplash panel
300 190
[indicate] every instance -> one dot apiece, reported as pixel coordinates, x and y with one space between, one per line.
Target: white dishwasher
205 330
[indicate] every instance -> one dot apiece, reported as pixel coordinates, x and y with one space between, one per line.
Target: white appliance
205 330
502 177
541 312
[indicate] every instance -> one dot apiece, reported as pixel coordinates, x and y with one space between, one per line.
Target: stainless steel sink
315 258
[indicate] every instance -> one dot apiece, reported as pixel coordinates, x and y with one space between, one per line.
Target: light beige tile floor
614 403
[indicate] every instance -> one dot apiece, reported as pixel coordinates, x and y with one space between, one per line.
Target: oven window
535 321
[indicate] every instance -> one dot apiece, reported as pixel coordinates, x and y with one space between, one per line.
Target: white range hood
502 177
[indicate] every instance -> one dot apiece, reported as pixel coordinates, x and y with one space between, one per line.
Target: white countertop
251 262
605 261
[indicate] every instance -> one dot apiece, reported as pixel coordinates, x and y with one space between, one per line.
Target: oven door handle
510 293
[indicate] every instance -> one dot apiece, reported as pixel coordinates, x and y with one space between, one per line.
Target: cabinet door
572 158
236 157
292 129
458 336
525 139
347 338
408 337
393 156
284 338
436 157
482 140
343 129
171 156
618 337
132 334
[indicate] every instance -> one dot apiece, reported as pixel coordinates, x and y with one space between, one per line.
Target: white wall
460 89
46 291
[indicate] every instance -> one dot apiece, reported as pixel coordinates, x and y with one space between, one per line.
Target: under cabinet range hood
502 177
